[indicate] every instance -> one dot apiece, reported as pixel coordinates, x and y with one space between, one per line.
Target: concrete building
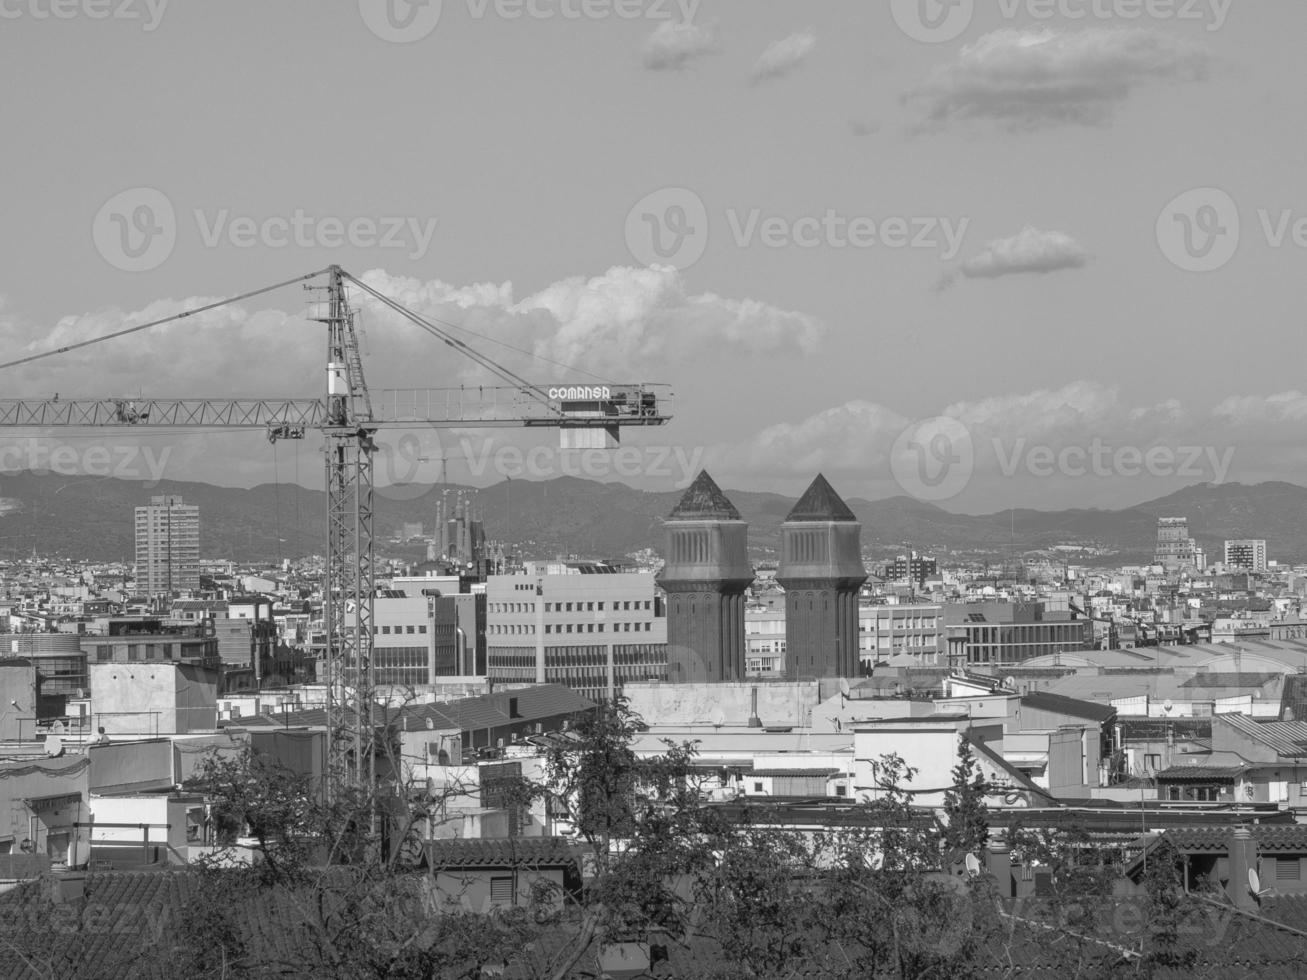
43 808
916 630
1176 550
403 643
1247 553
167 546
58 657
821 571
591 632
146 640
705 576
993 634
153 699
764 636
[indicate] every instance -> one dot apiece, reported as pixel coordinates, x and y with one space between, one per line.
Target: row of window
526 629
410 628
599 605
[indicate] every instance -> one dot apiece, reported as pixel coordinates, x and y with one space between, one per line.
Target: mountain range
92 518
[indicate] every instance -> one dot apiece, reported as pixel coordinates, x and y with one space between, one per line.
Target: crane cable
155 323
502 372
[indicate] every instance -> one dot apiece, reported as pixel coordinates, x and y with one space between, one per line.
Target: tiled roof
1287 738
820 502
1200 772
1269 837
507 852
704 501
1060 703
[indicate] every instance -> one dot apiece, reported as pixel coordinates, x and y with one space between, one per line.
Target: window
501 889
1288 869
757 786
841 790
1153 762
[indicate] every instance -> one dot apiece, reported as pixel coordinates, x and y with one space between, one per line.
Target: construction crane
349 415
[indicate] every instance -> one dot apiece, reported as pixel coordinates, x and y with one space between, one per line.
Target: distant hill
93 518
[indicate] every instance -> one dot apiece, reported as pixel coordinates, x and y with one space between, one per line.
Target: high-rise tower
821 571
167 546
705 576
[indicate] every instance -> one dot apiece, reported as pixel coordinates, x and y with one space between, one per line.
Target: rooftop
819 503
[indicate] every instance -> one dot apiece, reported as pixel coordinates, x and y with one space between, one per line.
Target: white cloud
784 56
1030 251
673 46
1028 79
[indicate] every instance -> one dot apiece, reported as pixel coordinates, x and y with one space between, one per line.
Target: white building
167 546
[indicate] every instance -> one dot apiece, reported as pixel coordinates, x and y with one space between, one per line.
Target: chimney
754 720
998 862
65 886
1243 858
512 708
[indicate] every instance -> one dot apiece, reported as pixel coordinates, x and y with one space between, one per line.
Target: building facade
998 633
1246 553
590 632
167 546
913 629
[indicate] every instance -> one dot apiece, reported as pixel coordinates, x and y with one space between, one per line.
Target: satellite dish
1010 683
973 864
1167 706
1254 881
54 745
844 687
718 718
431 723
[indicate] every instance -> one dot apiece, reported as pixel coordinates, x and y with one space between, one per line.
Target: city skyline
1047 196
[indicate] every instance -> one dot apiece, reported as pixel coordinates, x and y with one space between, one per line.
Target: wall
58 789
779 702
17 684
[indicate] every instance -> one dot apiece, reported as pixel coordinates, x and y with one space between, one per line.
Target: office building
821 572
590 632
705 576
167 546
1246 553
994 634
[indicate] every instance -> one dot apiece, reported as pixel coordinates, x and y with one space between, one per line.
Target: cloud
1030 251
1031 79
1081 444
783 56
864 127
627 324
674 46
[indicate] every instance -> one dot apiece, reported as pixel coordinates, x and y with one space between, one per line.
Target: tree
964 804
645 826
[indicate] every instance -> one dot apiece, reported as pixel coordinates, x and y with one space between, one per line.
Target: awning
56 801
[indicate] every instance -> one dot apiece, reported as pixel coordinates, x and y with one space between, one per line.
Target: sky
1030 253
